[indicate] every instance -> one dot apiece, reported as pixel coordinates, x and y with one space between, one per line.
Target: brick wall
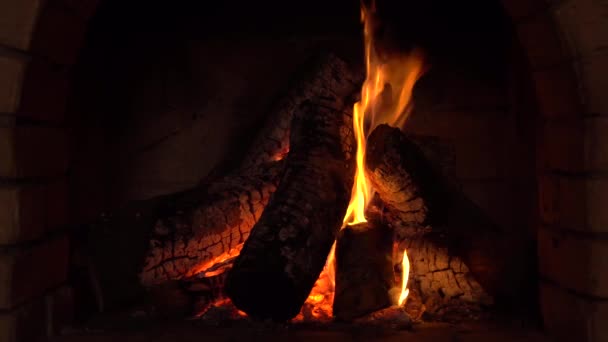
566 45
39 41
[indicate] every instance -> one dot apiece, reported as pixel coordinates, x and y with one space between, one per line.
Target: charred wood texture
174 236
288 247
401 175
188 297
442 281
214 223
410 186
324 76
364 270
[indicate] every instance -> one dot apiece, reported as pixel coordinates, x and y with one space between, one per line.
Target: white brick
584 23
576 263
11 78
18 21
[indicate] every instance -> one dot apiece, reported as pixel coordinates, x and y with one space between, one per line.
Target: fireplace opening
195 127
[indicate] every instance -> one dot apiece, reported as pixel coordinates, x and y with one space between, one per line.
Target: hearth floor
191 331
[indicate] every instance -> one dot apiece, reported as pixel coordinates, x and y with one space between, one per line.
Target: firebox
374 169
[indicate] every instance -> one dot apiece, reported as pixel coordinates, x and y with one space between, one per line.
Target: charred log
170 237
324 76
196 231
420 196
442 281
288 247
364 270
188 297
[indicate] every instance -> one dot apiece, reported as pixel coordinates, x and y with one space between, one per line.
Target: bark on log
411 187
212 224
166 238
184 245
324 76
190 297
442 281
401 176
364 270
288 247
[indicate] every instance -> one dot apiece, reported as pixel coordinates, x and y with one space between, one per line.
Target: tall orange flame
385 99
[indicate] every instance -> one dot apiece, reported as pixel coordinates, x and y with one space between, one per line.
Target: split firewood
324 76
174 236
288 247
440 280
411 187
208 228
191 231
402 179
364 277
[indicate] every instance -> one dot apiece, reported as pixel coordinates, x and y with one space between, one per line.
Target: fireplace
125 128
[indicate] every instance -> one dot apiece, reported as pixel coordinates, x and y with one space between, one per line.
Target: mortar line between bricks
557 65
29 244
546 8
547 280
576 234
11 183
46 292
27 56
24 120
10 51
578 175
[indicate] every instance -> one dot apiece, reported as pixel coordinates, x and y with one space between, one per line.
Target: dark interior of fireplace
171 94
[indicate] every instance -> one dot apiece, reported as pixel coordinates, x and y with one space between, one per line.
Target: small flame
385 99
405 267
209 268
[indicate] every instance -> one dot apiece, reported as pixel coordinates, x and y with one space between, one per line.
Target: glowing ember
318 305
213 267
385 98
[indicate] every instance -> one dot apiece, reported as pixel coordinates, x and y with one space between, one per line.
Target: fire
405 266
214 266
385 98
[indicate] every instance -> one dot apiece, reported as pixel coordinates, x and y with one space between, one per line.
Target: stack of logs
262 234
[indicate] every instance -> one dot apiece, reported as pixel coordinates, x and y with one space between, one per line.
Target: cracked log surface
199 230
410 186
364 270
166 238
288 247
442 281
324 76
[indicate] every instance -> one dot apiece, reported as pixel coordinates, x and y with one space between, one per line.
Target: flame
405 267
204 269
385 99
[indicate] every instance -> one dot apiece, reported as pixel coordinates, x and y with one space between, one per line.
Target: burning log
364 270
323 76
195 237
415 192
288 247
175 236
442 281
197 230
401 175
190 232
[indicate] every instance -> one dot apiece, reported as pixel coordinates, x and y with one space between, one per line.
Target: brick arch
39 43
565 42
